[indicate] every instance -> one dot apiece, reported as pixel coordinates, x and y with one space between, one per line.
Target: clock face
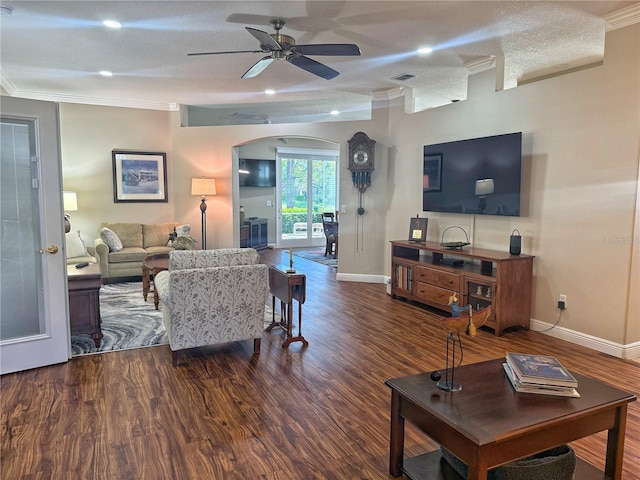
360 157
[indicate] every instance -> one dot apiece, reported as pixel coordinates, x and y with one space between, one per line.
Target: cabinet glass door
480 295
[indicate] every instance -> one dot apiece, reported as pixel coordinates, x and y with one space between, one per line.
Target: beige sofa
138 241
213 296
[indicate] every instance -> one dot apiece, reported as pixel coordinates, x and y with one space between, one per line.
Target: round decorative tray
454 245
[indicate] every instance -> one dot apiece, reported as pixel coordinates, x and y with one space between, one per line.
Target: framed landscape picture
139 176
418 230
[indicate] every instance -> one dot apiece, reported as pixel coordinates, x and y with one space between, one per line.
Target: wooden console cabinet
84 301
429 273
258 237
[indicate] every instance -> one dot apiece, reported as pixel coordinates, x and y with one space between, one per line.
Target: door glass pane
20 274
294 173
324 192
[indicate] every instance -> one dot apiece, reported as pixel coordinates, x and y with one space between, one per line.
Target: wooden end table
487 423
84 301
151 266
287 286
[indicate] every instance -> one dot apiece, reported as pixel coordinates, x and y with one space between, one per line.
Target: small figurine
457 310
479 290
488 292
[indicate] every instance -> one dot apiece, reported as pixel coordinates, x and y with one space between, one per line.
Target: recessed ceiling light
106 73
112 24
425 50
335 112
270 91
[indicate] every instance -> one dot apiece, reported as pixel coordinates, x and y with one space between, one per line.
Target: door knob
53 249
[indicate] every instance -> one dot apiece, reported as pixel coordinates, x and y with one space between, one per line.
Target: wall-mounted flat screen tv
476 176
257 173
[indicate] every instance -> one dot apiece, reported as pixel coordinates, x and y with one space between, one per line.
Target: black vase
515 243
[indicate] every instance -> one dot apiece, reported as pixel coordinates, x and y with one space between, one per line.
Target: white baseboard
614 349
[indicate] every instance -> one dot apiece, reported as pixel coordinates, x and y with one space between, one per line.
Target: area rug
130 322
127 321
317 255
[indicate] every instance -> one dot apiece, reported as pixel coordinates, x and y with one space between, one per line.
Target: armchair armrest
102 256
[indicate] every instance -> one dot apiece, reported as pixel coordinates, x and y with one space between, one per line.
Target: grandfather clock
361 161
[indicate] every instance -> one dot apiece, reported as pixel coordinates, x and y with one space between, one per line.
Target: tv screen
477 176
257 173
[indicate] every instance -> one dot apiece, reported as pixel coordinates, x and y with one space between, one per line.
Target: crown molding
387 93
104 102
481 65
623 18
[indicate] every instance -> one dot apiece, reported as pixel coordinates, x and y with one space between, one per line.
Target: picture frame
432 176
418 229
139 176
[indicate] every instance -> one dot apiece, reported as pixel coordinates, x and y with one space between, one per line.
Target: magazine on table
522 387
540 369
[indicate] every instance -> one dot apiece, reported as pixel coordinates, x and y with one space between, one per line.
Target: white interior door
34 327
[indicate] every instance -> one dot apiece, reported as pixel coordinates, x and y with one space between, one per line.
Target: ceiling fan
280 46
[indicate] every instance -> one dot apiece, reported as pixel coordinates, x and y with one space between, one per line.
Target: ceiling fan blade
257 68
312 66
223 53
264 38
328 49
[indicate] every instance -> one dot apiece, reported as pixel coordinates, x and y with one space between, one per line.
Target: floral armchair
213 296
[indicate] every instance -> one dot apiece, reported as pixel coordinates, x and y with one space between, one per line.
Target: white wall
581 138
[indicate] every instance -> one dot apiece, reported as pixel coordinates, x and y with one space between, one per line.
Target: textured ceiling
53 50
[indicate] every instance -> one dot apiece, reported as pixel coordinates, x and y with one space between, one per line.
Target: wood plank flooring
320 412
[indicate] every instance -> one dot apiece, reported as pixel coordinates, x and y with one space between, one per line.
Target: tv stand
429 274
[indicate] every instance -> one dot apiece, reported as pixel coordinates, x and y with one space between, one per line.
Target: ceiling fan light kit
279 46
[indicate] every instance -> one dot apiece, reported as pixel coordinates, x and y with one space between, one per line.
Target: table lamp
203 186
70 203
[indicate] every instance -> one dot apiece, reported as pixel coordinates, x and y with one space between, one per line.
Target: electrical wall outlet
562 302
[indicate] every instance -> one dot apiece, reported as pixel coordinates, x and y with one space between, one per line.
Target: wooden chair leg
256 345
176 357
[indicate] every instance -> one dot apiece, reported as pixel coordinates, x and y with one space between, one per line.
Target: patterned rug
130 322
127 321
317 255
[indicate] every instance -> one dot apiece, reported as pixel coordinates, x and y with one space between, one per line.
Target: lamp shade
203 186
70 201
484 186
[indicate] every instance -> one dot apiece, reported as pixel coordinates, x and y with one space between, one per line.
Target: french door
34 327
308 187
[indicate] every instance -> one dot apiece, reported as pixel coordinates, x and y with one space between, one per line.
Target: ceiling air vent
404 77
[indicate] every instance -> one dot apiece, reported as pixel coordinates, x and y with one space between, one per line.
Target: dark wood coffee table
151 266
487 423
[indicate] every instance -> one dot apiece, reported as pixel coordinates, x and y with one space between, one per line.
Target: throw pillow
111 239
184 243
183 230
73 245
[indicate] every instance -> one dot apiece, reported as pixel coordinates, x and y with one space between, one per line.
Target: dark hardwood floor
316 413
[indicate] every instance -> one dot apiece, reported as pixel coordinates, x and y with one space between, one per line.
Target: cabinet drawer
434 295
438 278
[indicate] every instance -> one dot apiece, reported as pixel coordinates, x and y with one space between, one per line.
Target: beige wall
581 138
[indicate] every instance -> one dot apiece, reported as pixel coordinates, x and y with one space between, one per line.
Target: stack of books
541 374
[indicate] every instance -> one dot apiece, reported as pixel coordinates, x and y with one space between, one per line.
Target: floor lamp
203 186
70 203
